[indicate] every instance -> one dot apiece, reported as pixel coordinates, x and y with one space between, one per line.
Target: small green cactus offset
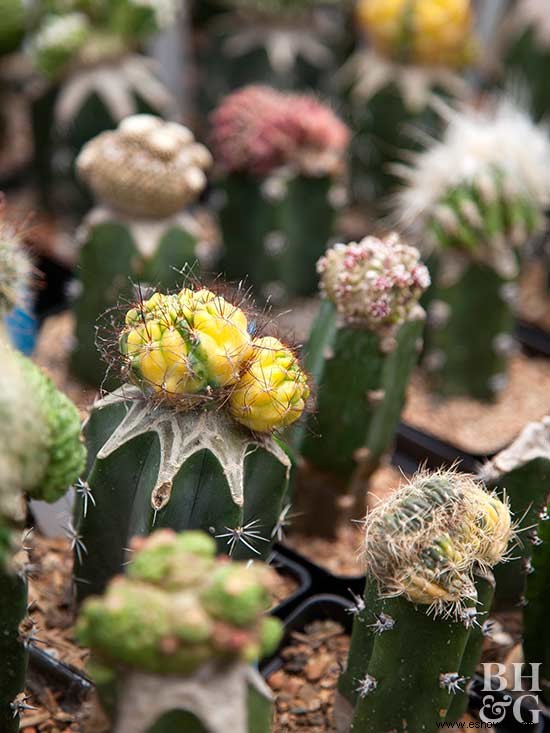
144 175
176 638
41 455
360 353
429 550
191 442
281 158
473 200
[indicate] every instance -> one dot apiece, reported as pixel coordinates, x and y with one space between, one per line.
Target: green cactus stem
175 639
520 472
536 647
192 446
360 353
13 652
422 549
13 25
281 156
139 235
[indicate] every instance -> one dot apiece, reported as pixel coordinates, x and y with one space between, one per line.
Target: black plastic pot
432 452
286 565
335 608
535 340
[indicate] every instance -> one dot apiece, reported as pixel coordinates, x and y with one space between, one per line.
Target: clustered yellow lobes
193 343
431 32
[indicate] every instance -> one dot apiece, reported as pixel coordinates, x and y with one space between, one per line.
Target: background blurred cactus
143 174
93 77
424 547
13 25
474 200
362 348
536 647
281 158
16 270
192 444
175 639
412 50
521 473
40 456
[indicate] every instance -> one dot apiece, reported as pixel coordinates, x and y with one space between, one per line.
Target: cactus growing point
424 547
192 444
144 174
179 634
280 157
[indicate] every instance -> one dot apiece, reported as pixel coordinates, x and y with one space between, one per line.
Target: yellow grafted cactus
272 392
431 32
185 343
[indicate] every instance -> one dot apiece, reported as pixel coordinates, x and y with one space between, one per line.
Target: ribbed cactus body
172 642
275 230
536 647
13 610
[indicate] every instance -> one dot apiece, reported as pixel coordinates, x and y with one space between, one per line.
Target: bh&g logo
524 704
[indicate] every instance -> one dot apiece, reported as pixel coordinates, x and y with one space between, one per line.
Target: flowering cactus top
195 347
426 540
145 168
425 32
258 130
376 283
179 607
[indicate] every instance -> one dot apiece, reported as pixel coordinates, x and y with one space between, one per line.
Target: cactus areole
190 442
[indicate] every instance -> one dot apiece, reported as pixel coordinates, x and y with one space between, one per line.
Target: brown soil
477 427
341 555
534 295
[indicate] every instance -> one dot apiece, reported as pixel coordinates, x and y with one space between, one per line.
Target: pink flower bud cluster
258 129
375 283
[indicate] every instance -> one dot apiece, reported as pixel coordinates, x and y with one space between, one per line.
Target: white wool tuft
476 142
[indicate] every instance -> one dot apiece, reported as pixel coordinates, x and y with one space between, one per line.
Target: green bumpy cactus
536 648
144 175
191 442
474 200
360 353
175 639
428 549
40 456
281 157
411 53
521 473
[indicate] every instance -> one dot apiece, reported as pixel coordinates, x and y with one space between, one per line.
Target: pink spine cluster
258 129
375 283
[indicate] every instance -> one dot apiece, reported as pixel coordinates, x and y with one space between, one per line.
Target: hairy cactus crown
145 168
15 266
180 607
483 186
427 539
194 348
374 284
58 41
425 32
258 130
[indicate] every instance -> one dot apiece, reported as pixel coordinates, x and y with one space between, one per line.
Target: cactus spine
281 157
475 199
177 637
41 455
536 647
415 50
192 444
520 472
361 351
423 547
143 174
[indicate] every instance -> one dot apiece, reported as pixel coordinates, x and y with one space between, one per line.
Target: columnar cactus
93 75
412 51
281 156
40 456
536 647
361 350
191 442
176 637
424 548
144 174
521 472
474 199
